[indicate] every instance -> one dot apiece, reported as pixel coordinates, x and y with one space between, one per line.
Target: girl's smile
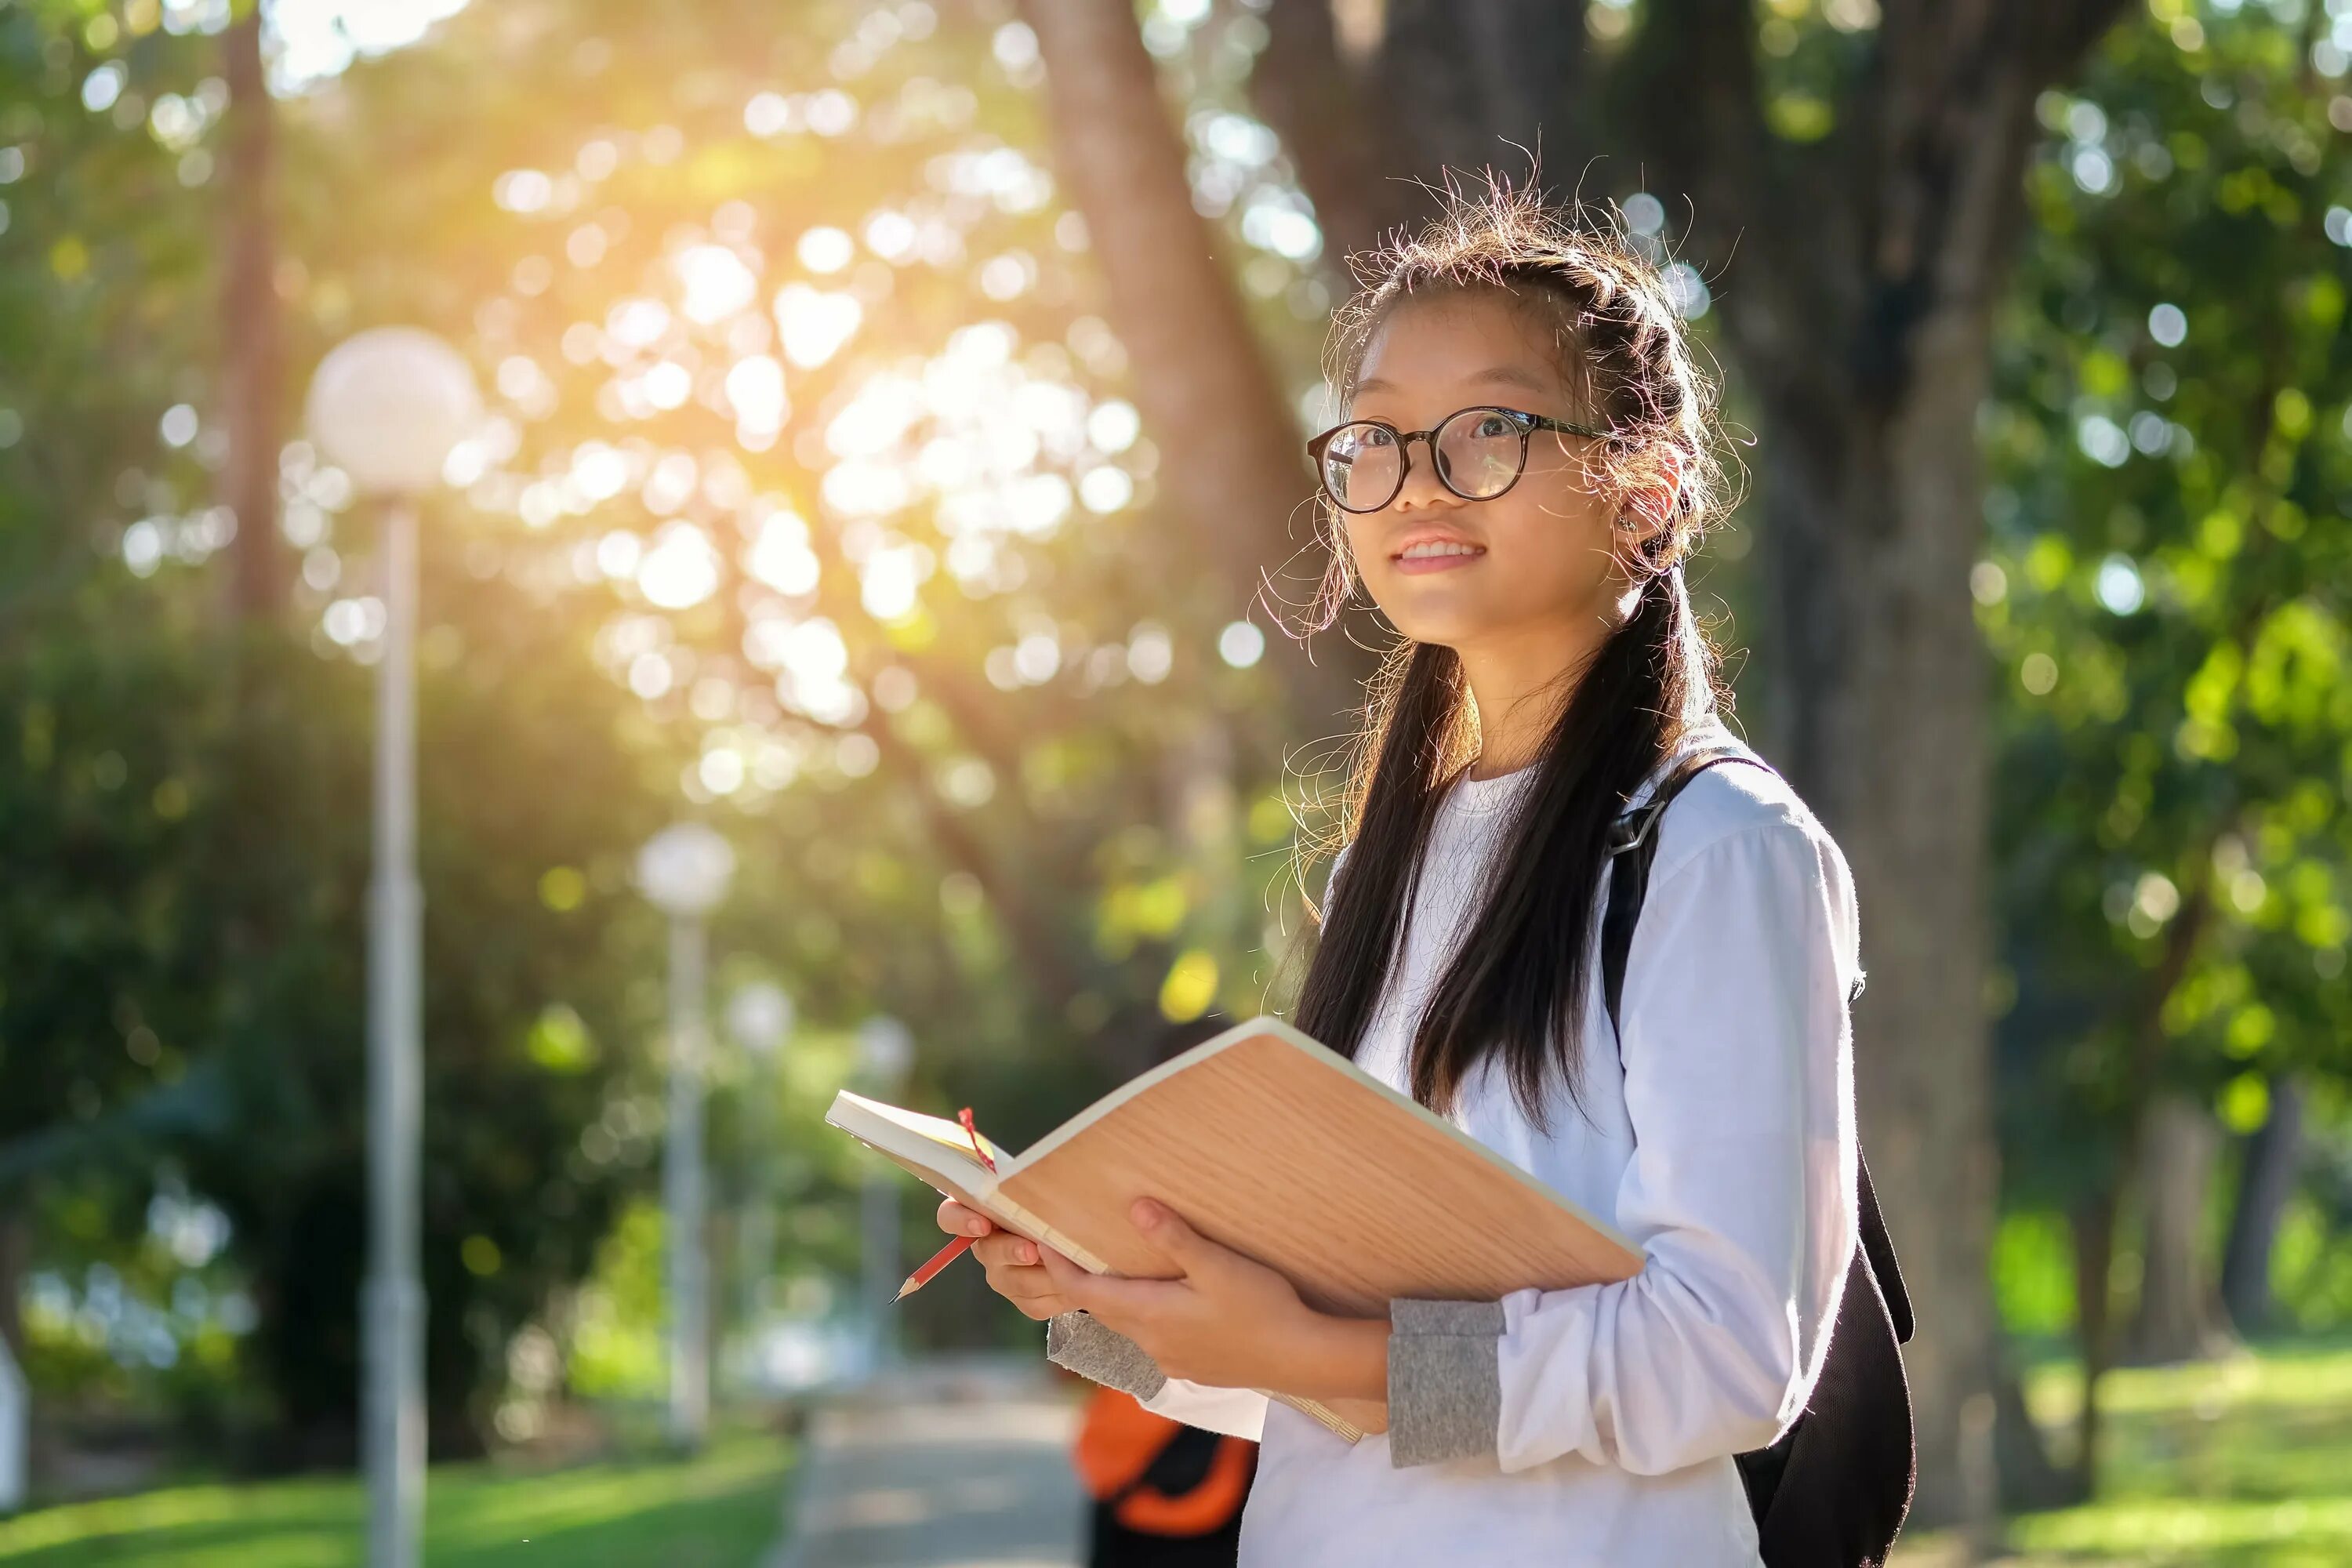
1435 550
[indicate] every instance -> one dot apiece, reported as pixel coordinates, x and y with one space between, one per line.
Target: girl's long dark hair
1518 982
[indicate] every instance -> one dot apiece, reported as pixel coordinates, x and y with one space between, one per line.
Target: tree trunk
252 354
1467 88
2093 1222
2030 1482
1303 88
1864 275
2178 1319
1880 725
2274 1157
1232 463
15 1258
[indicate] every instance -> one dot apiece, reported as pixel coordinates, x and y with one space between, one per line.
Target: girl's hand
1225 1321
1014 1270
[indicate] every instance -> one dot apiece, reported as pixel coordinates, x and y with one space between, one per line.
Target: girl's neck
1519 680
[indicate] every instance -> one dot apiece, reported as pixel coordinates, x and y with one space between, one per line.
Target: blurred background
886 461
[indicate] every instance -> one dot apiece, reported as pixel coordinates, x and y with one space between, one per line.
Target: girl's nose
1421 487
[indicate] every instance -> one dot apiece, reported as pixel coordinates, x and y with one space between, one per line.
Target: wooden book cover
1269 1144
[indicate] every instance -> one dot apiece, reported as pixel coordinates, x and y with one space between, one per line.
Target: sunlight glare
781 556
755 391
682 570
637 323
600 470
825 250
815 323
717 283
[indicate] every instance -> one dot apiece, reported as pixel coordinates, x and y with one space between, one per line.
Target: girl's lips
1416 565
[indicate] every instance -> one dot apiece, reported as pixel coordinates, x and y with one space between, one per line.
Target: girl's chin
1429 613
1451 625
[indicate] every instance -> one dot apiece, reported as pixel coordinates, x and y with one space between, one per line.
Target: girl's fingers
958 1220
1002 1250
1029 1289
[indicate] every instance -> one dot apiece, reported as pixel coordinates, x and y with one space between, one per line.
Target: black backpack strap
1633 844
1881 1253
1835 1490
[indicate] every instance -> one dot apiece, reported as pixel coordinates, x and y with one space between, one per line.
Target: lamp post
684 870
16 1422
387 406
885 1051
759 1017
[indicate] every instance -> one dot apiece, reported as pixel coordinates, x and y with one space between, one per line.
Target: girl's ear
1649 511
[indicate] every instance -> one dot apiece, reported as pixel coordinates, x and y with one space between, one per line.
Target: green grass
2244 1463
721 1509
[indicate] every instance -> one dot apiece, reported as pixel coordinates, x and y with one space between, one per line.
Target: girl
1527 463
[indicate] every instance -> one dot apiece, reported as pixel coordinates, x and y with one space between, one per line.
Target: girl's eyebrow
1509 375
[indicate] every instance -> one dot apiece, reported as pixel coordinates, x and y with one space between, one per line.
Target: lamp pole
393 1315
759 1017
387 406
684 870
885 1051
15 1423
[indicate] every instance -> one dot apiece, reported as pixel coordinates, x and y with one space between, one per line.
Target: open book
1269 1144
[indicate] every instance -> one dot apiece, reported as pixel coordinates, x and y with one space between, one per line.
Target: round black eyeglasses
1479 453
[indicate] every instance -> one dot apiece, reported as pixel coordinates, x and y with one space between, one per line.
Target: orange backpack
1160 1477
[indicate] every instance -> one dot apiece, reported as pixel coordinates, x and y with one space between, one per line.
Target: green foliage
186 914
2034 1274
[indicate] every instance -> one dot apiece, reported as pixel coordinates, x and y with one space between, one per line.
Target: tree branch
1313 100
1469 85
253 369
1234 470
1687 86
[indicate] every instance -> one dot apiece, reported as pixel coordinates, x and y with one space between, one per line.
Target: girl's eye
1492 426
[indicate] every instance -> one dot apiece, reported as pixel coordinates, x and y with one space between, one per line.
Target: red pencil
939 1260
948 1254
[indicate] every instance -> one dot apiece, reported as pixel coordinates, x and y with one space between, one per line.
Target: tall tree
1854 178
252 344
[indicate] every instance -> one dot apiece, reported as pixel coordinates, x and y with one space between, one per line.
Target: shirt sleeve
1740 1194
1092 1349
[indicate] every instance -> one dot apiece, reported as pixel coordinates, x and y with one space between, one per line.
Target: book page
937 1129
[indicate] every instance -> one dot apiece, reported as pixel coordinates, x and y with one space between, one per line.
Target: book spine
1029 1224
1339 1424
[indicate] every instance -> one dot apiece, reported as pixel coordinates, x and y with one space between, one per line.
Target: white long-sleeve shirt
1720 1141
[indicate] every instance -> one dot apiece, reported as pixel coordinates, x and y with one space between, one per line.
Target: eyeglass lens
1478 454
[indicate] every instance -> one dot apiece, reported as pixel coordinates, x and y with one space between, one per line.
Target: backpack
1832 1494
1158 1477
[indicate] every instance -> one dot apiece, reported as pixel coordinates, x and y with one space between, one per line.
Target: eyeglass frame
1528 425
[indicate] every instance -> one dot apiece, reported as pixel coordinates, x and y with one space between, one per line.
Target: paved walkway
961 1465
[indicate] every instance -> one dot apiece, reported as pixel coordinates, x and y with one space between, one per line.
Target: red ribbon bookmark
953 1250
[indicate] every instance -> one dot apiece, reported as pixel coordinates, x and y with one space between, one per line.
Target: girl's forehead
1484 342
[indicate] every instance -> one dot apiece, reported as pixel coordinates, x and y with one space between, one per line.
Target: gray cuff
1445 1381
1089 1348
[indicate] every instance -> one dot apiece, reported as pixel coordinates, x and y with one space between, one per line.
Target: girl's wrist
1340 1358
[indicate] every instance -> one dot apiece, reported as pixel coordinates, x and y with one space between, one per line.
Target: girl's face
1539 557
